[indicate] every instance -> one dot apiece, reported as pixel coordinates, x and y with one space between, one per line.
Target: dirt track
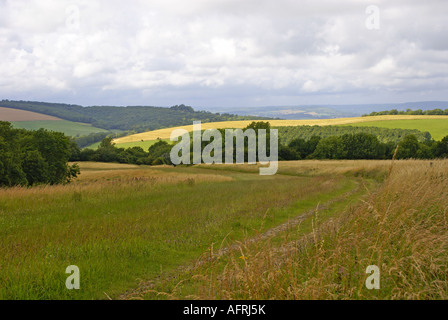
137 294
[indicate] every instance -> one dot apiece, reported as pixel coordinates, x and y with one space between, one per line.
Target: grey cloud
223 52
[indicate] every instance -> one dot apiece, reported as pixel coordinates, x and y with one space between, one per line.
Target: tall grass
402 228
123 224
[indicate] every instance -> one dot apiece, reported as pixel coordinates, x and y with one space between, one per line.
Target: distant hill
134 118
292 112
303 112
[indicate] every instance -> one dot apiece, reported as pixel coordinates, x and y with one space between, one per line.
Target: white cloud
223 52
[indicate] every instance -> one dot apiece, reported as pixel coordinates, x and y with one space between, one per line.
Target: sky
223 53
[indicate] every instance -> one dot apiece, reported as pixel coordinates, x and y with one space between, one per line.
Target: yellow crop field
166 133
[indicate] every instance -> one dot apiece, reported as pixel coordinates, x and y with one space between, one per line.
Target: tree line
419 112
85 141
34 157
107 151
349 143
354 146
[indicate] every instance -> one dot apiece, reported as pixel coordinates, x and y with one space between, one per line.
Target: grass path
330 200
119 224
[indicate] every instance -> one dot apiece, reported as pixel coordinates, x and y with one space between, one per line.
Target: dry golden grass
166 133
126 224
372 168
146 175
402 228
127 216
96 176
104 166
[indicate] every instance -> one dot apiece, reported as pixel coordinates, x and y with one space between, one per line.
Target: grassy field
401 227
156 232
10 114
68 127
23 119
166 133
438 128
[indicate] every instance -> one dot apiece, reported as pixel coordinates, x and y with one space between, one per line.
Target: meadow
224 232
438 128
399 225
68 127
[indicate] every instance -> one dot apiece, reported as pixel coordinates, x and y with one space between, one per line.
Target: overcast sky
223 53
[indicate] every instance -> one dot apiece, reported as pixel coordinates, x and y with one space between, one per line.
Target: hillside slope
166 133
22 119
10 115
133 118
69 128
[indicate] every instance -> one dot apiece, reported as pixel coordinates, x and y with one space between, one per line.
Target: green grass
400 229
143 144
117 232
123 224
68 127
182 286
438 128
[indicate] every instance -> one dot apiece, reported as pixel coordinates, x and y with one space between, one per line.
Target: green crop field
225 232
438 128
68 127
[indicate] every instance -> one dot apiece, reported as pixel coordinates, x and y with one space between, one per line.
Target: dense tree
440 148
408 148
436 111
287 153
288 134
304 148
34 157
159 153
362 146
330 148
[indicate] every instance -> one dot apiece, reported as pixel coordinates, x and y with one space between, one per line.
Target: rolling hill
12 115
436 124
437 127
302 112
131 118
69 128
29 120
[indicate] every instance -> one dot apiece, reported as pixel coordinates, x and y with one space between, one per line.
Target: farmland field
156 232
10 114
68 127
438 128
440 125
23 119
